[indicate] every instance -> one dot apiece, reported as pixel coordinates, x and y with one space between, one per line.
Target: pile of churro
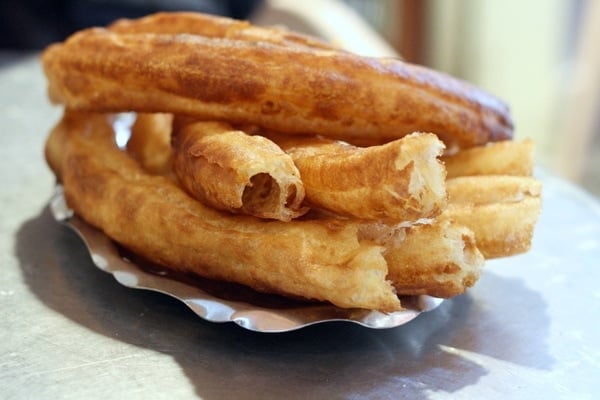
278 161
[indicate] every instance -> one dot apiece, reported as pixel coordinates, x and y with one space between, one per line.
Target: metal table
529 329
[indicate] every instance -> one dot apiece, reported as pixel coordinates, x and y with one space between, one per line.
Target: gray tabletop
529 329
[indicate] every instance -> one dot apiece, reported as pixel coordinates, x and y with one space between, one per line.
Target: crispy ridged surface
487 189
231 116
216 27
439 259
509 157
501 229
293 89
150 215
501 210
400 181
231 170
345 262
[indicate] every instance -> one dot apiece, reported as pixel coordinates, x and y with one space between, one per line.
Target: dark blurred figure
33 24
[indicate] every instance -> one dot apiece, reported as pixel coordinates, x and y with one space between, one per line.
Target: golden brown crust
508 157
501 229
216 27
439 259
401 180
155 219
350 250
294 90
487 189
342 261
230 170
502 211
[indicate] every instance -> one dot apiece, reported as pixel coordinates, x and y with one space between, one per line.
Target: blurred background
540 56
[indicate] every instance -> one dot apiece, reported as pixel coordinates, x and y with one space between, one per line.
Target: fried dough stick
157 220
400 181
230 170
322 258
507 157
287 89
150 142
216 27
444 267
439 259
491 191
502 211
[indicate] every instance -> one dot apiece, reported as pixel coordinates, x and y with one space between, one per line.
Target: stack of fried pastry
278 161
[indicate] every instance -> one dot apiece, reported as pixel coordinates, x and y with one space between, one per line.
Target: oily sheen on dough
287 89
